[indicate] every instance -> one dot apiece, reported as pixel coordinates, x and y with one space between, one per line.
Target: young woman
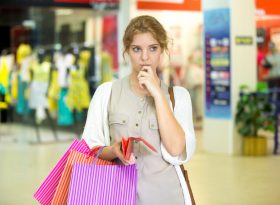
139 105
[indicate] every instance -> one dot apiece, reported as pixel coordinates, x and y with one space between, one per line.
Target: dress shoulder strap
171 94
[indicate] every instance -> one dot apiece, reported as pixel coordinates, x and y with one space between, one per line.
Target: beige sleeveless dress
131 115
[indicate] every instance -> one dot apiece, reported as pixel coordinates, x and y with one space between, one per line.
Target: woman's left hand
149 80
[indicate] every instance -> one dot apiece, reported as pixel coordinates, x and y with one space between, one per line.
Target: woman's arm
95 132
183 115
171 132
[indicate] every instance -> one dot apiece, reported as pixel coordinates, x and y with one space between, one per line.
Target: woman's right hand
116 149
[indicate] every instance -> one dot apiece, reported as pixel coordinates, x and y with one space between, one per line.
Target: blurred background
55 53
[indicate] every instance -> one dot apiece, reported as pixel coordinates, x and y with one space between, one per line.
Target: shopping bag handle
100 149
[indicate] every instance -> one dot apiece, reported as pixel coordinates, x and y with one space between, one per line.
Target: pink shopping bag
45 192
93 184
61 193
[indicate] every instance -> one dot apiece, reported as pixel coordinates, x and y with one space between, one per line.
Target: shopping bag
93 184
61 193
46 191
127 145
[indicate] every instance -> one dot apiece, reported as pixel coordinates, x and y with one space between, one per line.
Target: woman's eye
136 49
153 48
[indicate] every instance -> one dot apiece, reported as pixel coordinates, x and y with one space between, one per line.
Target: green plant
254 112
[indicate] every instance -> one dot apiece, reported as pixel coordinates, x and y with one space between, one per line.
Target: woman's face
144 51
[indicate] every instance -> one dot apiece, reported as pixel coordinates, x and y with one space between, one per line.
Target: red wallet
127 145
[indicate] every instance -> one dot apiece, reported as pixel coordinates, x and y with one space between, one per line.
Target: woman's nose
145 55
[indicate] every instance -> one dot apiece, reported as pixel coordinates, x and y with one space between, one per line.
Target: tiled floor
216 179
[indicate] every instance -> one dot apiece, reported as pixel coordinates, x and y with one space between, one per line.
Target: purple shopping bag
93 184
45 192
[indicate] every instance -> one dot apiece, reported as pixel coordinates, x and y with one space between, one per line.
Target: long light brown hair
145 24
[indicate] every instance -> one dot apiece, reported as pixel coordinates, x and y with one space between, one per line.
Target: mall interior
226 53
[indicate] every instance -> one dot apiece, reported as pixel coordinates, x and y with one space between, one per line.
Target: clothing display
63 62
22 102
53 92
65 116
84 58
4 74
37 96
106 67
47 80
38 89
23 51
25 68
78 93
13 86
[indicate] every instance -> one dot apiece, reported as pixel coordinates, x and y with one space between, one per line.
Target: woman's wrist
112 152
108 153
159 96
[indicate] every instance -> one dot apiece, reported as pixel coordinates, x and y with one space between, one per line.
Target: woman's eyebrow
155 44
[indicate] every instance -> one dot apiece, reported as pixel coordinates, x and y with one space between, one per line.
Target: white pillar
90 31
126 10
219 132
